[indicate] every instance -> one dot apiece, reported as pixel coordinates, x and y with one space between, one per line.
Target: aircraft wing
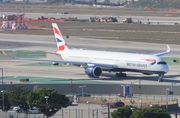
163 53
64 61
70 62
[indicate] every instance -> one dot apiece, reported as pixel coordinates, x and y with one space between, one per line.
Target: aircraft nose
165 68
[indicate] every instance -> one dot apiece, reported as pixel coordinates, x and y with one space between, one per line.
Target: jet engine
93 71
147 73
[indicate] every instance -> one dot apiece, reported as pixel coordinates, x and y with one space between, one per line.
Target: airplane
95 62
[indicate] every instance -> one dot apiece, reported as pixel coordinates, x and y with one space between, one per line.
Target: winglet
163 53
168 48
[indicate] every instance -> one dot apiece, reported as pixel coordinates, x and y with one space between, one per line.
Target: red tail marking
62 47
56 31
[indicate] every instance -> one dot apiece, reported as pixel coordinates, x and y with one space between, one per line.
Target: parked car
83 95
116 104
33 110
17 109
65 13
122 95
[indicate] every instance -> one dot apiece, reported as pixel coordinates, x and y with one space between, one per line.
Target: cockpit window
164 63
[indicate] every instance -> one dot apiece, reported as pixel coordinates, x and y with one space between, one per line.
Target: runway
46 43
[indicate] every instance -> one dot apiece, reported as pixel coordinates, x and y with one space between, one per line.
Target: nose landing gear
120 74
160 77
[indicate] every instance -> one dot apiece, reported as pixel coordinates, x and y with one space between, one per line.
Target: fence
63 113
19 115
66 113
82 113
98 112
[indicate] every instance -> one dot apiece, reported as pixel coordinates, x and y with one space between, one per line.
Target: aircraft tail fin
61 44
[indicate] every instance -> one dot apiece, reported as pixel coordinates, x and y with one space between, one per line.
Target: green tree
18 97
55 101
150 113
122 112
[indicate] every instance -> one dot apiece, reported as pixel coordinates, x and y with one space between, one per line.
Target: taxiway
46 43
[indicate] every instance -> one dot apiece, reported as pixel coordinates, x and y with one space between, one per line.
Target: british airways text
136 65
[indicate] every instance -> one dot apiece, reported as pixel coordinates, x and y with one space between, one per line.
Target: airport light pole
131 89
2 75
131 92
82 88
139 88
122 90
172 89
167 93
35 87
46 97
72 89
140 97
2 100
5 74
71 86
88 102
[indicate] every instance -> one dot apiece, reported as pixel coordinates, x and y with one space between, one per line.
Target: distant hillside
156 4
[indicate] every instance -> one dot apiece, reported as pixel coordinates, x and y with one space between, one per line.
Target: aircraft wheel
124 75
117 74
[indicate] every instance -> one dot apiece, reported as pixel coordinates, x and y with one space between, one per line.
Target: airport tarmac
136 18
46 43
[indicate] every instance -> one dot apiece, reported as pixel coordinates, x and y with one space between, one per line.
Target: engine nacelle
147 73
93 71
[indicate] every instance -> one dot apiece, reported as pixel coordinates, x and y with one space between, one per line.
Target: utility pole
3 100
167 93
108 111
46 97
140 97
2 75
131 93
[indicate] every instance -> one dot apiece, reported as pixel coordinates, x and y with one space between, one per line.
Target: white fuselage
125 61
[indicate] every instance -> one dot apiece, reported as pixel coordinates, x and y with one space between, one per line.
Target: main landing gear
120 74
160 77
